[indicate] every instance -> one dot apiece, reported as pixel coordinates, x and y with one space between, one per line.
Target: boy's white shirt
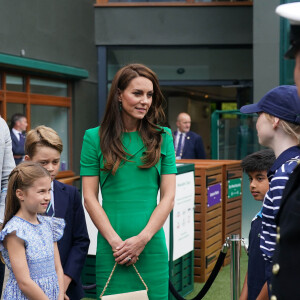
52 195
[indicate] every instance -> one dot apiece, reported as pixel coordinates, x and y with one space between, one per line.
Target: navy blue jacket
17 147
193 146
73 246
286 277
256 262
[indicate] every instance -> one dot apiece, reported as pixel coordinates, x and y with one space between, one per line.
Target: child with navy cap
278 128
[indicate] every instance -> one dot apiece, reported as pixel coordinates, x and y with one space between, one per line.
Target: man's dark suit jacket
17 147
193 146
286 259
73 246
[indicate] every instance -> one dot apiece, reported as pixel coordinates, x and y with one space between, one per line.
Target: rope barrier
210 279
89 287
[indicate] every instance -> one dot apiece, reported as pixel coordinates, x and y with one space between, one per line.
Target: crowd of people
131 158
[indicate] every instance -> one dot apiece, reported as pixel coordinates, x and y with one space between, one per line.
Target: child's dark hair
21 177
258 161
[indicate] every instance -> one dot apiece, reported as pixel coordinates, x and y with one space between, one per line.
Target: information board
183 215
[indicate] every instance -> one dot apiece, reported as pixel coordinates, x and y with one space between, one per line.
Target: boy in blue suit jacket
44 146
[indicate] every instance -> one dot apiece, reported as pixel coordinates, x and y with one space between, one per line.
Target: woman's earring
120 106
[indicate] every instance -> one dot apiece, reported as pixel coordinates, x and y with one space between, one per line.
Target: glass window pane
47 87
56 118
15 83
237 136
186 63
13 108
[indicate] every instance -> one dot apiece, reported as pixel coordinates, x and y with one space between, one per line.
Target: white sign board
92 229
183 215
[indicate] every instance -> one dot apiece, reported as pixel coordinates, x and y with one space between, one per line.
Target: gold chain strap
137 272
111 274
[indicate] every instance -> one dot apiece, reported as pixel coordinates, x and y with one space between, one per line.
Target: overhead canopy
39 66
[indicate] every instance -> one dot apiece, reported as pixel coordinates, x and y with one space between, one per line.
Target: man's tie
179 145
22 139
50 211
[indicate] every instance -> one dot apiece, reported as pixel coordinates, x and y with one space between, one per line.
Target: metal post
235 266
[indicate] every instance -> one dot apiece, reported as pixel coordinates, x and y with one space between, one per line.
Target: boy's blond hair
42 136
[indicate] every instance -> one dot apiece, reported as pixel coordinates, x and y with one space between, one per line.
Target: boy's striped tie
50 210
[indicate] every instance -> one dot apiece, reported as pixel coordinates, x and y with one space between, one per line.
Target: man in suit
286 259
188 144
6 165
18 126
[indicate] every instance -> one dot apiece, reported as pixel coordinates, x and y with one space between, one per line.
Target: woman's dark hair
112 126
21 177
258 161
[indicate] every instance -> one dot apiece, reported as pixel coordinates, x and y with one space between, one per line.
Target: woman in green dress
133 159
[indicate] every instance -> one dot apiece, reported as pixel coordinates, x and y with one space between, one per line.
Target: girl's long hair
22 177
112 126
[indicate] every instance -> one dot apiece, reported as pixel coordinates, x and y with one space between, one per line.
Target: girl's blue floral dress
39 251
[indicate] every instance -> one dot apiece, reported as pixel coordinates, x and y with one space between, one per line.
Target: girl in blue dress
28 241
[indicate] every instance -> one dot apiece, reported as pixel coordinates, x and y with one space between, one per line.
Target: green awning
39 66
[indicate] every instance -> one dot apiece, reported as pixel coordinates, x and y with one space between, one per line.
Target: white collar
183 133
16 132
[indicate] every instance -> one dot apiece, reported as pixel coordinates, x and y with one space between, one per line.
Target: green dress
129 198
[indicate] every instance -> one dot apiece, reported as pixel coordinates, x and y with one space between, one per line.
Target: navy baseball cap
282 102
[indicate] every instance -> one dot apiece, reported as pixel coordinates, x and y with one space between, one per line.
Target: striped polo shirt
278 176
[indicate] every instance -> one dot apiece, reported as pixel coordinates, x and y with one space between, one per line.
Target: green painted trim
184 168
42 66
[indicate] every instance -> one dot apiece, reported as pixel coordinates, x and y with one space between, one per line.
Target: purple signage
213 194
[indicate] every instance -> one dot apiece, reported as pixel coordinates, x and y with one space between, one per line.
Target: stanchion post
235 266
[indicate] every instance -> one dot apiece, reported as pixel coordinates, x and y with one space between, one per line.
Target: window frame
27 99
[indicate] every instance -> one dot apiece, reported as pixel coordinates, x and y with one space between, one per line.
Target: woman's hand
128 252
116 243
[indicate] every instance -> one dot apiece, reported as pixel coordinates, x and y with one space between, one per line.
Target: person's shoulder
4 125
2 121
14 220
56 224
93 131
165 130
92 138
64 186
288 166
193 134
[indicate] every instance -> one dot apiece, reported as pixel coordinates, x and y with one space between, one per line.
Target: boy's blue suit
73 247
193 146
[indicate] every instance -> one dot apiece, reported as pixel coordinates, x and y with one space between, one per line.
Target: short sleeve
168 164
57 226
90 153
13 226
